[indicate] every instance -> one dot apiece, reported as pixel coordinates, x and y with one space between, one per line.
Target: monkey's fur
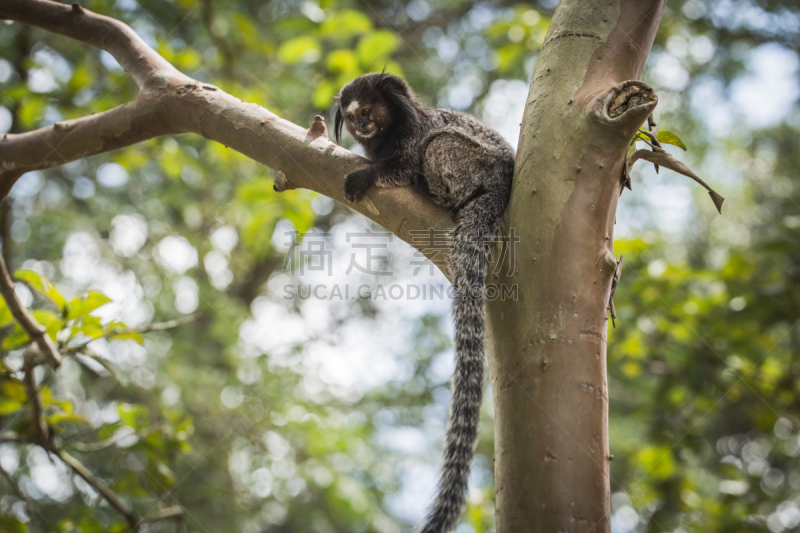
458 163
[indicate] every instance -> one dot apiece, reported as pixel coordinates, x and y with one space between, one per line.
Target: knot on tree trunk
630 101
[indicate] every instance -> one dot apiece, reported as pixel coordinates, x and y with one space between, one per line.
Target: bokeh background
272 413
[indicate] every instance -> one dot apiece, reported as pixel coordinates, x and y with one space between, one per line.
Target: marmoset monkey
460 164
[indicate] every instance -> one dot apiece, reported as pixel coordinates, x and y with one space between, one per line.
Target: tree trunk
548 345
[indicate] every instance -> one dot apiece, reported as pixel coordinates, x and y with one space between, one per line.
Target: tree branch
99 486
170 102
168 513
35 331
10 436
155 326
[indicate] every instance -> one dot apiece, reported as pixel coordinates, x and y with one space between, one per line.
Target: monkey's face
366 120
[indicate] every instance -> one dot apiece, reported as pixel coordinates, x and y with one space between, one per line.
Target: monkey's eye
350 116
365 111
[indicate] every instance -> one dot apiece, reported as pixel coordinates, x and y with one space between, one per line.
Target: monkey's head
375 107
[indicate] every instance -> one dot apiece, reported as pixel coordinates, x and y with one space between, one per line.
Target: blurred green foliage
703 369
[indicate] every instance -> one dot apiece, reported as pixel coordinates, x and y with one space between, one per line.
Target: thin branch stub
652 128
282 182
659 156
318 128
614 283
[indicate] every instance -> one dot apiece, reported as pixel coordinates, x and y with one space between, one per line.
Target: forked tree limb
169 103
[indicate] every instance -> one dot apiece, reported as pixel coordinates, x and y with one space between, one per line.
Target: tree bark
548 347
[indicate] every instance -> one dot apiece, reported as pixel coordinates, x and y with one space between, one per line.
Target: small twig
156 326
86 352
35 331
92 446
168 513
651 124
89 447
614 283
626 180
646 141
37 421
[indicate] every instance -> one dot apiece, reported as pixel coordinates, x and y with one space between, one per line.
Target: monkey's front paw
356 185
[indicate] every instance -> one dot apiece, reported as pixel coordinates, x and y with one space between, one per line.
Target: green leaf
81 77
44 286
64 406
303 49
668 137
90 525
244 27
346 24
658 462
342 61
12 396
5 313
62 418
32 109
12 525
51 321
85 303
108 430
376 47
89 326
511 55
132 336
133 415
127 335
19 337
15 339
120 527
323 94
8 406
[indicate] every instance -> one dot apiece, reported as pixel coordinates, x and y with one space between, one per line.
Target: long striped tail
478 223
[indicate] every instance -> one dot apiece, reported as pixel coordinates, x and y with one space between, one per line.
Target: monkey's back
460 158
